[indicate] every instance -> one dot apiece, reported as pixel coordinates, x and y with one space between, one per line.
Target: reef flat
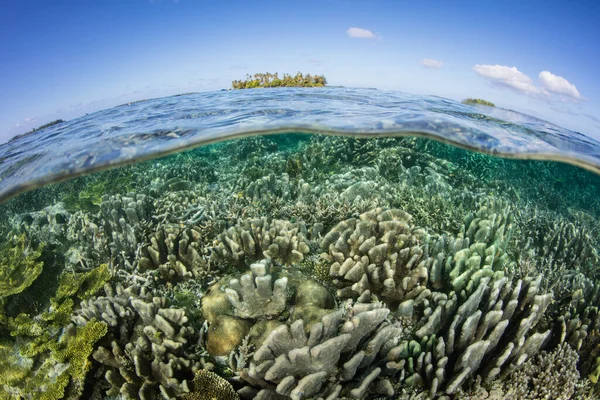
305 267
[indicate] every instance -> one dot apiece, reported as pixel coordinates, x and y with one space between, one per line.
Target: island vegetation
478 101
273 80
58 121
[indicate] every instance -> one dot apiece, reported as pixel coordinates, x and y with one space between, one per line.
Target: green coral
60 350
19 267
84 285
81 285
62 368
90 197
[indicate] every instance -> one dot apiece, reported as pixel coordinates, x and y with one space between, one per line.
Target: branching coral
144 352
176 253
278 240
380 253
337 358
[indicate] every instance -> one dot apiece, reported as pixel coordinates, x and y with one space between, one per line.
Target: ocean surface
135 131
325 243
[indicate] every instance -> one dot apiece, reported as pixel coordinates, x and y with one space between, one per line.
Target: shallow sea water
390 262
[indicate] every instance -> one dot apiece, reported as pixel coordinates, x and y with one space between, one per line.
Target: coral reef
122 218
301 267
489 331
255 296
52 359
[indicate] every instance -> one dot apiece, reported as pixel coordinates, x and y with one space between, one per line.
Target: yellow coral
19 267
64 364
85 284
210 386
61 363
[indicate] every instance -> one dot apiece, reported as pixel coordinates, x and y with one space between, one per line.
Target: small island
58 121
267 80
478 101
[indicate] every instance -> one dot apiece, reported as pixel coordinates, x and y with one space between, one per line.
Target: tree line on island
273 80
49 124
478 101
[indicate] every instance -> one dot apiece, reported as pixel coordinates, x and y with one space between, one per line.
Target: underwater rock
281 241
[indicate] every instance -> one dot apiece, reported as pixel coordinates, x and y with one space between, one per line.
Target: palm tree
272 80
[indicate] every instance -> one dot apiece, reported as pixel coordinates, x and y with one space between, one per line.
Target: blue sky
62 59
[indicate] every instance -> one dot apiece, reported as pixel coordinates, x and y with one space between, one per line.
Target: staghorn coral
281 241
548 375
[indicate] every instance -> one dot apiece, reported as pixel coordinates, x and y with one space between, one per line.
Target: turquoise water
383 263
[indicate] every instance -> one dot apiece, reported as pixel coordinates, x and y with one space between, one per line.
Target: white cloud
507 76
559 85
360 33
431 63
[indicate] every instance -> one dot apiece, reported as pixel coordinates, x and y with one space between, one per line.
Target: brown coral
210 386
